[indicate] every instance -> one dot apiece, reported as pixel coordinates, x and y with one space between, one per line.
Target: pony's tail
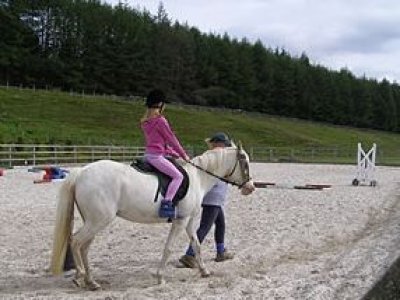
64 223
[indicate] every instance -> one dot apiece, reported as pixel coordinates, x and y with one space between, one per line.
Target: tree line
92 46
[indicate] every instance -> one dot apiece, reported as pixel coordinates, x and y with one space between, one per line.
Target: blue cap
220 137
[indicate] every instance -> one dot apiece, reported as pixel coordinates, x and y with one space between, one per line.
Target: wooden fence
28 154
22 154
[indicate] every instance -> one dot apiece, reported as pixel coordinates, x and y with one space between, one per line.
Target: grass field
28 116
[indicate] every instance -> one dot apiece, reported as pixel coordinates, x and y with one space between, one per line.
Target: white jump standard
365 166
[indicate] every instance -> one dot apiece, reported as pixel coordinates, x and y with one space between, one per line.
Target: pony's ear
240 147
233 144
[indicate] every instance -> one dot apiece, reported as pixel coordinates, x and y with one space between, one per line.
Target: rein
222 178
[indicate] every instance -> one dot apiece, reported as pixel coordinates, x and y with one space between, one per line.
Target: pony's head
240 173
229 164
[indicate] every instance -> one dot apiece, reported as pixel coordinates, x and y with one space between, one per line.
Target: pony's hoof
161 280
79 282
205 273
93 286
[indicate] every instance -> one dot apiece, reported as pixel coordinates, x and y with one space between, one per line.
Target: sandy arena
289 244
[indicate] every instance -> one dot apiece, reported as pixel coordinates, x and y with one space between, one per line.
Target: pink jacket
160 139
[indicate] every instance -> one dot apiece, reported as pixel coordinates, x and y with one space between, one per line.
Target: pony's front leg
195 243
177 226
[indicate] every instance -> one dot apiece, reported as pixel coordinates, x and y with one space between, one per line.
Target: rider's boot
167 209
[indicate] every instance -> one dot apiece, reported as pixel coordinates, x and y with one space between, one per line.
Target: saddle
142 166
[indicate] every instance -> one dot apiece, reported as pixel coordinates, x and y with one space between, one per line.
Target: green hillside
28 116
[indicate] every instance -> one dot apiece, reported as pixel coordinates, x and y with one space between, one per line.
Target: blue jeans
210 215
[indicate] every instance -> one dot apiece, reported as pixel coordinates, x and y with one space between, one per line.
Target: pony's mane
208 160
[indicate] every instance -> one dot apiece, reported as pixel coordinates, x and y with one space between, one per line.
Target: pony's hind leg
79 266
80 246
90 283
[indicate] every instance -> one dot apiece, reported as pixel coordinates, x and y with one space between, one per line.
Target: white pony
105 189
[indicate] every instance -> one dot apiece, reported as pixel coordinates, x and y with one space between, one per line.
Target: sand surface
289 244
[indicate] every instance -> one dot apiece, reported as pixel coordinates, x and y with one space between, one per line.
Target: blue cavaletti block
57 173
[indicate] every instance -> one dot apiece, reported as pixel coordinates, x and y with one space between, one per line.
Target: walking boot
188 261
224 256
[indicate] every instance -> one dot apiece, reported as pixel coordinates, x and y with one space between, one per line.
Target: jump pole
269 185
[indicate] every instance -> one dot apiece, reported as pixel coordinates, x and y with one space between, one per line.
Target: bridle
244 169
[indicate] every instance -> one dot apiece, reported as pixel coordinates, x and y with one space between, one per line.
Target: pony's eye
246 169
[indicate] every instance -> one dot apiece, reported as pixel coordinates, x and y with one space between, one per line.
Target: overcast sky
360 35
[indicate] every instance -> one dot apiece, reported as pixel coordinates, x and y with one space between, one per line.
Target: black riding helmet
154 98
220 137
